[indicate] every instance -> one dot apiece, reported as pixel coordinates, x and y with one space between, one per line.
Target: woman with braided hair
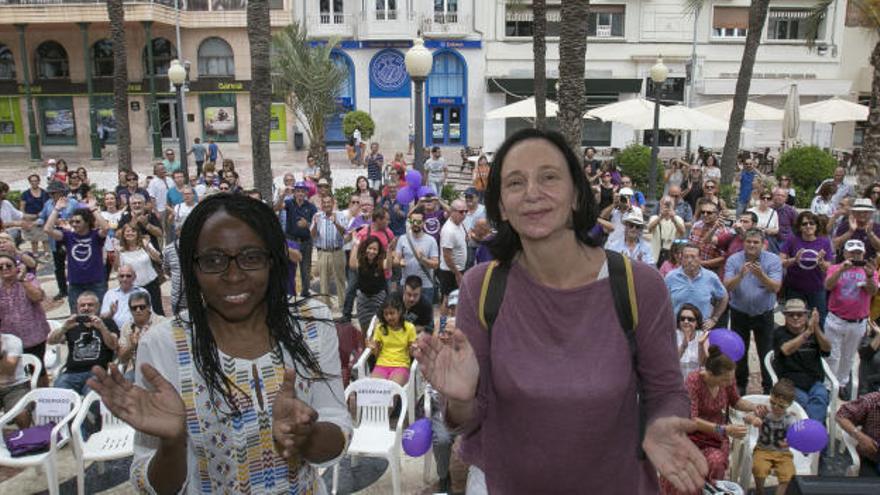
243 393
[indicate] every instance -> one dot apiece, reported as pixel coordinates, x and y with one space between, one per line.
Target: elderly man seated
115 303
91 341
798 349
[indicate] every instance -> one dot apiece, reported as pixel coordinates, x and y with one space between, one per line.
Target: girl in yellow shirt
391 342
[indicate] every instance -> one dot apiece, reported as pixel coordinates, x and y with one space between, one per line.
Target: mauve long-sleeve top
556 400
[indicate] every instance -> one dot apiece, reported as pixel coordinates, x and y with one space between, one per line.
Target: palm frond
693 7
870 11
814 21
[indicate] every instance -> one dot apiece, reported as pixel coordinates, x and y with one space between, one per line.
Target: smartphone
83 318
859 262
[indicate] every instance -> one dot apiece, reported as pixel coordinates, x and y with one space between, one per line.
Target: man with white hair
115 303
622 204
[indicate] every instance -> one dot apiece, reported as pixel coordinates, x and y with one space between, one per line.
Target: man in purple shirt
786 214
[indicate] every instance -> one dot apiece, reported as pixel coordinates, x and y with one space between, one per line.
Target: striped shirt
328 236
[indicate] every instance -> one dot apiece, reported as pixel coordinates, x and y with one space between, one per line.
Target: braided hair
284 327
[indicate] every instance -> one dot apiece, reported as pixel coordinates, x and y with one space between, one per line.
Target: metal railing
386 14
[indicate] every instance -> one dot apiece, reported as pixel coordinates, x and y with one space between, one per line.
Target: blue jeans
816 300
74 381
74 291
815 401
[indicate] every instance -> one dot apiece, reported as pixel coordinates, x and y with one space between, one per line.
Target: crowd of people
544 216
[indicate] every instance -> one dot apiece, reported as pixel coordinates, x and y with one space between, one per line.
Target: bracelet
720 430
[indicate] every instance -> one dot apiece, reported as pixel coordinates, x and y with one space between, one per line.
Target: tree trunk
757 16
871 148
572 54
116 13
539 48
259 37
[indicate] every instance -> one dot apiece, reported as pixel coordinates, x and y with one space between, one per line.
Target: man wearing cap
860 226
753 277
798 347
328 231
614 213
632 245
475 211
850 284
299 213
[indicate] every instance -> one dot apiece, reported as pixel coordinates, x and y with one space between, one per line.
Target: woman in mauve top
549 405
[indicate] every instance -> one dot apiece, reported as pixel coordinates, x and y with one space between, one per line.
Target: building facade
59 52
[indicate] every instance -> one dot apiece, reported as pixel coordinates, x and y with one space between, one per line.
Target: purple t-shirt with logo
85 261
806 276
434 222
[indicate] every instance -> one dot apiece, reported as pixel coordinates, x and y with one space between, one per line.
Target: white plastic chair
428 466
115 439
31 361
373 437
57 405
741 452
849 444
832 385
56 354
362 372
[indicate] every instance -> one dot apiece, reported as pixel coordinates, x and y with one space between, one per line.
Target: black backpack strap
492 293
623 290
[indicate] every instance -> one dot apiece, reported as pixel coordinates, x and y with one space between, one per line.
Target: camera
728 222
859 262
83 319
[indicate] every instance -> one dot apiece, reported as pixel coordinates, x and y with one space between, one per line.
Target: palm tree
309 81
869 11
757 16
120 83
539 48
572 55
259 38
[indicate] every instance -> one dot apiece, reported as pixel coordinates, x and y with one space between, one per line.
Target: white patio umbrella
523 109
834 110
677 117
754 111
791 120
620 111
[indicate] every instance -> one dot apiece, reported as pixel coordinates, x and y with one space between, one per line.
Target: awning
526 87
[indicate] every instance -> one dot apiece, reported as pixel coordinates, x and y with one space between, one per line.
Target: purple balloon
405 196
730 343
413 178
425 190
807 436
416 439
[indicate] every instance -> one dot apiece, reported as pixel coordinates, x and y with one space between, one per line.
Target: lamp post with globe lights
177 76
659 72
418 62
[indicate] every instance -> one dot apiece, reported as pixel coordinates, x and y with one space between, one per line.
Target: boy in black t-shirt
416 309
91 341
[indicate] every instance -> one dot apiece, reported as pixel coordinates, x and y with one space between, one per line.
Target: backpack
623 291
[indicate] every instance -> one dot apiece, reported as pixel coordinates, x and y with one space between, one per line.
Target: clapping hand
158 412
292 419
674 455
449 364
736 431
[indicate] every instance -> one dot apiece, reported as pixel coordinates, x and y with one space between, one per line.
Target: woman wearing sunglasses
805 257
690 339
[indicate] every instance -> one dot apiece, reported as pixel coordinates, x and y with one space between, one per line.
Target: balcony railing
386 15
331 24
445 24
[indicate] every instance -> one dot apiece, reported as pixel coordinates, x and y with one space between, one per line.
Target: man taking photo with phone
851 284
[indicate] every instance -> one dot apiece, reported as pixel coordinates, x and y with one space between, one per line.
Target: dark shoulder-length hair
284 328
506 244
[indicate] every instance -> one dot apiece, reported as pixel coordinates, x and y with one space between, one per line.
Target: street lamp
418 64
658 76
177 76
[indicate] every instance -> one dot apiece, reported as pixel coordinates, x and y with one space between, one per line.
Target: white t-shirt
12 347
158 189
766 220
453 237
142 264
435 169
123 312
112 220
181 211
690 360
